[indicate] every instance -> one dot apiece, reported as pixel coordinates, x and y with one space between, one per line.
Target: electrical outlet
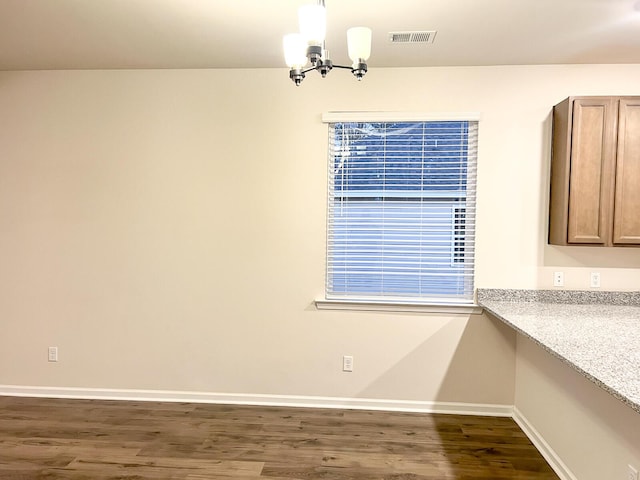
633 473
595 280
53 354
558 279
347 363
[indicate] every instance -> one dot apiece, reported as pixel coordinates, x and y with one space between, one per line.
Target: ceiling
113 34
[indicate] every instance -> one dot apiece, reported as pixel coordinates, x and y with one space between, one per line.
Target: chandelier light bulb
295 50
313 23
359 44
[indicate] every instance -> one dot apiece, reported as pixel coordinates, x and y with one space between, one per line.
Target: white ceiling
108 34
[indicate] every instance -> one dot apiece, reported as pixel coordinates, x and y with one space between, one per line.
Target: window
401 211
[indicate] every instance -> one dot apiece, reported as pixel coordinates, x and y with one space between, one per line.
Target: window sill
366 306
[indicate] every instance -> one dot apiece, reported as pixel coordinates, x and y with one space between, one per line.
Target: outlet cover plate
347 363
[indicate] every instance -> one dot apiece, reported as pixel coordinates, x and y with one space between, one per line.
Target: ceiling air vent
412 37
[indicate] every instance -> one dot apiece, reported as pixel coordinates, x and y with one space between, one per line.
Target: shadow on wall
594 257
485 446
470 360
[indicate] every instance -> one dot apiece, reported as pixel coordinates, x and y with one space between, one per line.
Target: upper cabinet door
595 172
592 158
626 222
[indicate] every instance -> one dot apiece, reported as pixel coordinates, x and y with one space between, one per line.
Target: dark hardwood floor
99 440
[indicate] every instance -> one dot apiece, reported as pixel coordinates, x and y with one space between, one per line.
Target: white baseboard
257 399
543 447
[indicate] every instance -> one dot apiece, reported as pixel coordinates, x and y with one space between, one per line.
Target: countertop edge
592 378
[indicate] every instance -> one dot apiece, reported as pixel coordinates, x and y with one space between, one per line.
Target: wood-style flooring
100 440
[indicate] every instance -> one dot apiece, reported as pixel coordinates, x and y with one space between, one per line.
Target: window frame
384 303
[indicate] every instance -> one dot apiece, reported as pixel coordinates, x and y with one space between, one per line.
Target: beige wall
165 229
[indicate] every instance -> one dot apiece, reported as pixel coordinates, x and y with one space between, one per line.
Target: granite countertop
596 333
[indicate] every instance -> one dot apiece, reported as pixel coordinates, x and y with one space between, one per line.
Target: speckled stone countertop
596 333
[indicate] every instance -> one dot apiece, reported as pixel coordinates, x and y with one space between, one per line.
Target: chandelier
309 46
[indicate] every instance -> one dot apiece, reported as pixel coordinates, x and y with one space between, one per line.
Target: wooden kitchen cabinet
595 172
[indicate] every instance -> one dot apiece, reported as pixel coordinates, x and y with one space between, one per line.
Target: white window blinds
401 212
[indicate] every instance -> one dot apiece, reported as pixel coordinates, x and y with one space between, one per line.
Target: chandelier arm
342 66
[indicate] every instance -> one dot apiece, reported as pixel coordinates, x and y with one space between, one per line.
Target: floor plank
51 439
